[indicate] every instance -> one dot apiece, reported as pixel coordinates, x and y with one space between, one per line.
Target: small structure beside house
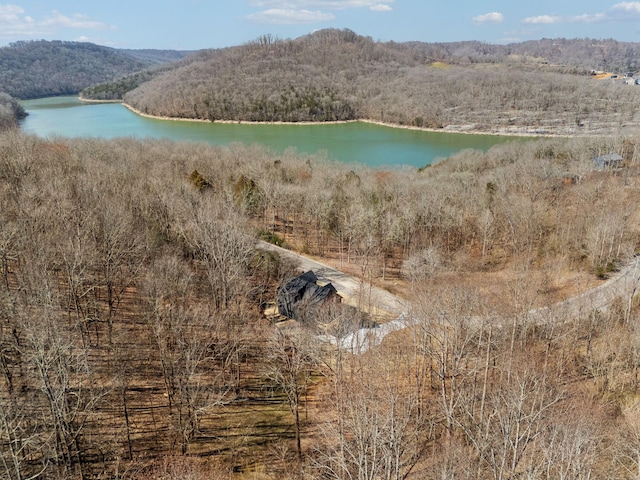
301 298
611 160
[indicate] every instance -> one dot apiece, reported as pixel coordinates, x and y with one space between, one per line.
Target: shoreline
91 100
470 129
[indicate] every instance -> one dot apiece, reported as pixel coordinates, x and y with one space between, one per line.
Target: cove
357 142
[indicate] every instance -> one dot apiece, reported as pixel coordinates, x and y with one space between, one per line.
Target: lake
356 142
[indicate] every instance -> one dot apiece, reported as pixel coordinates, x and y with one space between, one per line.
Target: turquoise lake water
357 142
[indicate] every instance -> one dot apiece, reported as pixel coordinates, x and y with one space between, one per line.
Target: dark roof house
301 298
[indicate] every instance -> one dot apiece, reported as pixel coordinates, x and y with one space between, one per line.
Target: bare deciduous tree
291 360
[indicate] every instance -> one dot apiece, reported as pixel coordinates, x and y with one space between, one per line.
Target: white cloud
491 17
624 11
323 4
627 7
542 19
15 22
288 16
10 11
75 21
289 12
620 12
588 18
380 8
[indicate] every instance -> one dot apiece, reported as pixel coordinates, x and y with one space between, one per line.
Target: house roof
302 296
608 160
610 157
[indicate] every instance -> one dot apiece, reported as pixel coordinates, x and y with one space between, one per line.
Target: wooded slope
44 68
132 340
338 75
10 111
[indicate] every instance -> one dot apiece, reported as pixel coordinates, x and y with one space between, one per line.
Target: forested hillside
544 86
133 343
44 68
116 89
10 111
156 57
571 54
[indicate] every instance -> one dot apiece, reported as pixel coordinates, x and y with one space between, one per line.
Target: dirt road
353 290
623 285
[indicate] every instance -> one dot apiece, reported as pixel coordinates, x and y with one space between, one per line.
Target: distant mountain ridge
30 69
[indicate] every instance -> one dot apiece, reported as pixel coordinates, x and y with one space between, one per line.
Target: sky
197 24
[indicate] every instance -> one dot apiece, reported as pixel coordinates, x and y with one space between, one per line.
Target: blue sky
195 24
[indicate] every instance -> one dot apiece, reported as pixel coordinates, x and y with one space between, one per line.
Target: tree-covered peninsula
10 111
333 75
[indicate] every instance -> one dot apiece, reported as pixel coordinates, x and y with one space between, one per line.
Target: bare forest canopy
31 69
11 112
133 344
338 75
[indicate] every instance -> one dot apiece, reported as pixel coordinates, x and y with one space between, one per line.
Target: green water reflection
357 142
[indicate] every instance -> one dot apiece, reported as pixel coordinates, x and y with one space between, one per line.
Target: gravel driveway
623 285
